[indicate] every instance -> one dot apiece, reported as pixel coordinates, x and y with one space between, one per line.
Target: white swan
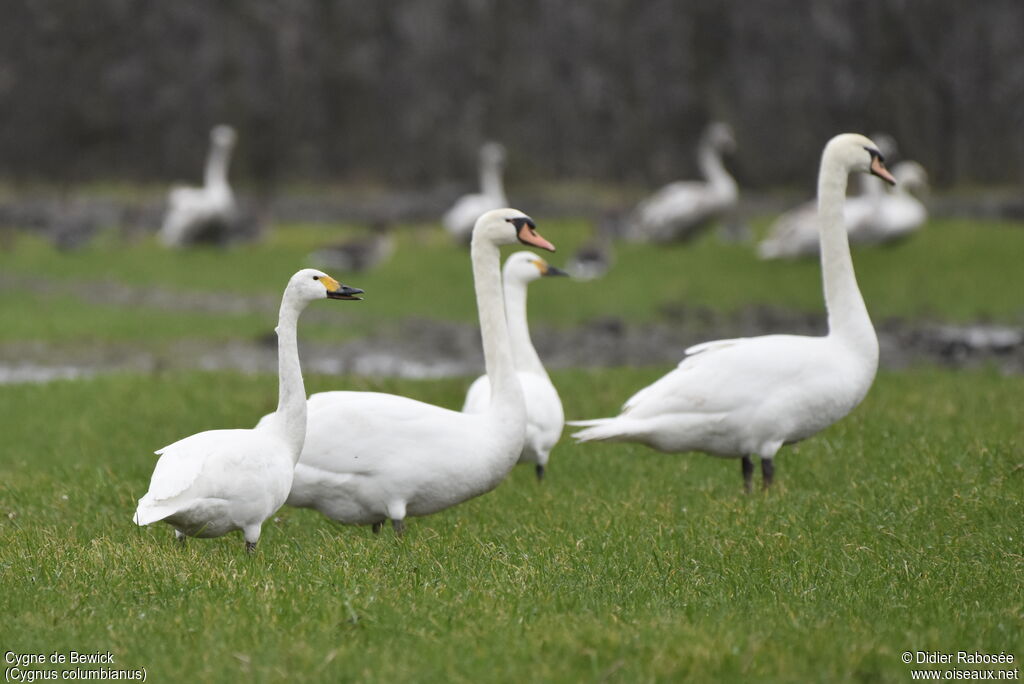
679 210
370 456
218 481
874 217
735 398
897 213
207 213
460 219
544 416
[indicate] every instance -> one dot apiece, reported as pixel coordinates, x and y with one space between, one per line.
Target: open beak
529 236
553 271
878 169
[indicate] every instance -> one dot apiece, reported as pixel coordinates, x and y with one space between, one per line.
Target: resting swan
218 481
736 398
207 213
680 210
370 456
872 218
460 219
544 416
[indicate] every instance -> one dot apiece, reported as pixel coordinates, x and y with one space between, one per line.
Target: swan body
875 217
207 213
370 456
544 416
218 481
680 210
750 396
461 217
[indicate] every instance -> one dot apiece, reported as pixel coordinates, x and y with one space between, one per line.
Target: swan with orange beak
369 456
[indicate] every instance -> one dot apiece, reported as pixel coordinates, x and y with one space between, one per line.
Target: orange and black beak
878 168
526 231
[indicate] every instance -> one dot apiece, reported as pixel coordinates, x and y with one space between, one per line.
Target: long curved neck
490 179
710 163
291 403
217 165
848 317
524 356
506 394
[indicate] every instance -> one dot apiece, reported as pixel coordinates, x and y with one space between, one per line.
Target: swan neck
490 179
524 356
710 162
506 394
291 404
217 165
847 315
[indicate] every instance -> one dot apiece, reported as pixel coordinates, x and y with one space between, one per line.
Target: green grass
897 529
955 270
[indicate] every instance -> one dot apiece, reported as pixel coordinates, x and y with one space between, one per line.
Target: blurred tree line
403 91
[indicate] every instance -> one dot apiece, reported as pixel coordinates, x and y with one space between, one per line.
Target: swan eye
875 154
521 221
316 277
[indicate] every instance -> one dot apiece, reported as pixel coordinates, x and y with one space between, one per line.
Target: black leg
377 526
540 472
398 526
767 472
250 546
748 474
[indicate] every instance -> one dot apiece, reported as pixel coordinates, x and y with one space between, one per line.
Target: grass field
897 529
900 528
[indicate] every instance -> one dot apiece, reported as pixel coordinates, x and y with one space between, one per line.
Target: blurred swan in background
747 396
218 481
370 456
460 219
544 416
205 214
680 210
594 258
872 218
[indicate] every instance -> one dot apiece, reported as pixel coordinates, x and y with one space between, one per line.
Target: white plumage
875 217
207 213
544 416
680 210
460 219
742 397
214 482
370 456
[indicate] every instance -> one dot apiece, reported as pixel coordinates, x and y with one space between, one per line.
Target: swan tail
587 423
148 513
600 429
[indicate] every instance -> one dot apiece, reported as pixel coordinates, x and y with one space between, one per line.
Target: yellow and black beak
336 290
553 271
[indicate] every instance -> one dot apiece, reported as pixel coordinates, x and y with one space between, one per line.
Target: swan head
492 154
309 285
857 153
525 267
911 176
507 227
720 136
223 136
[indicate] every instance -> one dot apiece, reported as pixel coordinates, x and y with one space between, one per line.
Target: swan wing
181 462
478 397
726 375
